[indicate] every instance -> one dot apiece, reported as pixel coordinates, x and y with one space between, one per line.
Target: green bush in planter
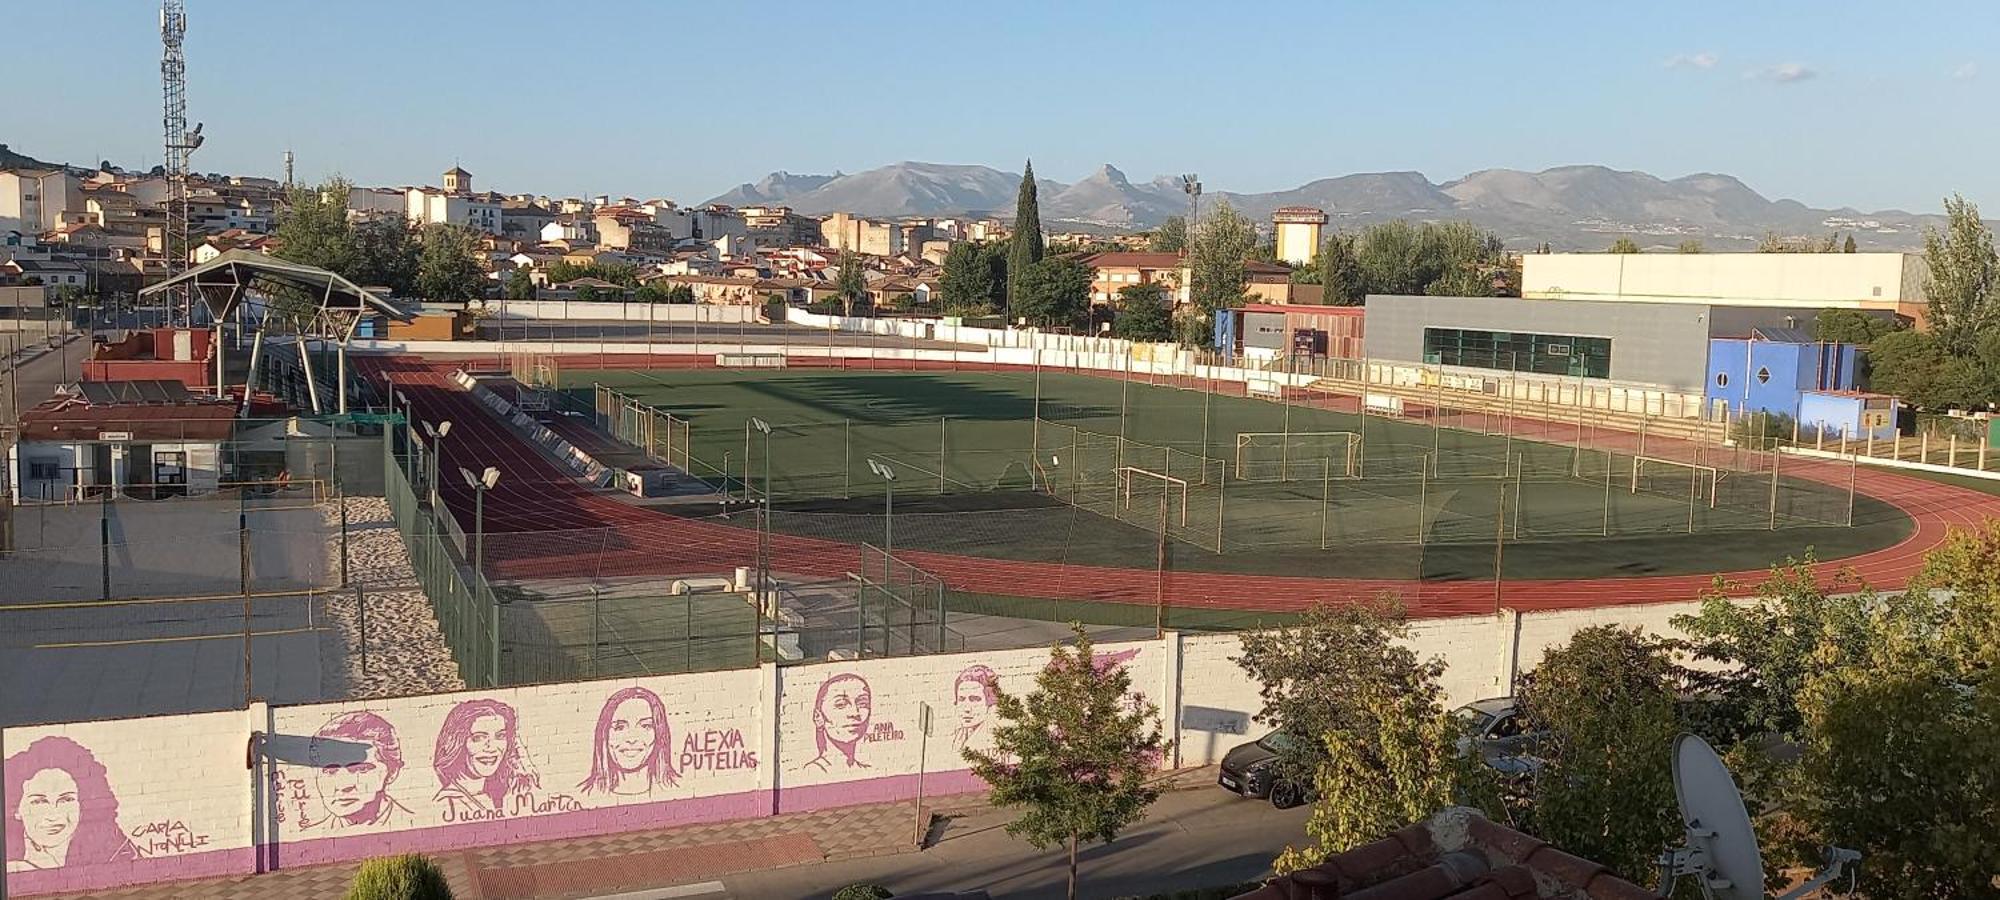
863 892
411 876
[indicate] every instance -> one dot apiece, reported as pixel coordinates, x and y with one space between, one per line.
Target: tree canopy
974 279
448 264
1625 245
1053 292
1963 286
1170 237
1025 247
1075 754
1144 313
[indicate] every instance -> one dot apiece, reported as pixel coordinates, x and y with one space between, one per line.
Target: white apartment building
455 204
33 201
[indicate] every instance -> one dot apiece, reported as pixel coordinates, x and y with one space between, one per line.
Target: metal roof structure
313 301
149 391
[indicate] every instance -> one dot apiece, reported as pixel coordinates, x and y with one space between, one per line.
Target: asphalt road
24 385
1194 838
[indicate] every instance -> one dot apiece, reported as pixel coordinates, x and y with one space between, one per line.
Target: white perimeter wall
177 797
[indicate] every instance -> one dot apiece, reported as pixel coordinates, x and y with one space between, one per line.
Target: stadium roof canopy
309 300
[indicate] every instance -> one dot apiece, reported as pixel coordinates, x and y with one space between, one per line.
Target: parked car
1494 729
1251 770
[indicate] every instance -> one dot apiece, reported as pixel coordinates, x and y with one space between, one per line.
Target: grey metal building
1661 344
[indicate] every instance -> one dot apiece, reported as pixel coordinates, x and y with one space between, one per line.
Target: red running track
542 523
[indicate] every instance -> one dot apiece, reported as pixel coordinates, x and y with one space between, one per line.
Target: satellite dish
1721 843
1721 850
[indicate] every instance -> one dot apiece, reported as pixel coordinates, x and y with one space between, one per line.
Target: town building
781 226
1296 230
455 204
1890 282
1118 269
36 201
872 237
145 438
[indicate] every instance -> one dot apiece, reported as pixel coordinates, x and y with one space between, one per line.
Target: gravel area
406 652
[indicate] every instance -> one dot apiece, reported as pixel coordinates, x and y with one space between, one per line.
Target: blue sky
1872 105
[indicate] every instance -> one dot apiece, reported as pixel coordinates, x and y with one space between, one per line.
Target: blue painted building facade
1761 374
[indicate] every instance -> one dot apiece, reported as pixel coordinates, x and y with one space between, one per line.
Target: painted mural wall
108 803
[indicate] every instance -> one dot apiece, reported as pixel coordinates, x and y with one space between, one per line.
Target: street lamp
480 484
437 435
764 528
888 477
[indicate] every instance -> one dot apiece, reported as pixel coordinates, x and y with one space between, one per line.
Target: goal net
1675 478
1297 455
1143 488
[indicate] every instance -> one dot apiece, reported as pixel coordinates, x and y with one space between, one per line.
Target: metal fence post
1325 489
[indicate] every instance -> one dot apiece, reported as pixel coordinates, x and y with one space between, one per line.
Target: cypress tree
1026 248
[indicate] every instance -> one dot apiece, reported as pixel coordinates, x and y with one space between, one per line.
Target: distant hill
1569 207
11 160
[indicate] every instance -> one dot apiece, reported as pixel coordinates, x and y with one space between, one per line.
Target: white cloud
1965 72
1782 73
1703 60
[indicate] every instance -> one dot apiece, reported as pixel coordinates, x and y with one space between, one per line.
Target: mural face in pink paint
840 717
353 792
972 699
479 760
632 754
60 809
1105 662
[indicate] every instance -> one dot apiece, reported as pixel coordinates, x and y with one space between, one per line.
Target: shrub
411 876
863 892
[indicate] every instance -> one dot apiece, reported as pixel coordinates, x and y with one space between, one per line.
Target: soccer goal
1283 456
1149 481
1672 476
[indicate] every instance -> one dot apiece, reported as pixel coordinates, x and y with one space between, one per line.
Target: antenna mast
173 87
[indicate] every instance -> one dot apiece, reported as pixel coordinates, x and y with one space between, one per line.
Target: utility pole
180 144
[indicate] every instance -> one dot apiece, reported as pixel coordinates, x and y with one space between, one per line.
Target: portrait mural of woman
972 699
840 715
479 760
353 788
60 809
632 753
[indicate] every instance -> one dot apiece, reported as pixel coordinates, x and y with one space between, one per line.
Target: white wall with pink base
100 804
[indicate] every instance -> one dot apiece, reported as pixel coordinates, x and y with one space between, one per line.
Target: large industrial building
1883 282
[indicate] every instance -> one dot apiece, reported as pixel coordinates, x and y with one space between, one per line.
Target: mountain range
1568 207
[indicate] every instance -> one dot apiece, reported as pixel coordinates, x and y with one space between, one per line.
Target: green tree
1625 245
1313 677
1053 292
1397 767
1774 242
1603 708
1964 280
384 253
1848 247
850 282
1691 246
1222 242
1391 259
313 228
1340 271
448 265
1025 248
680 293
1074 754
590 293
1763 647
1852 326
1170 237
966 287
1144 313
1915 366
1898 757
520 285
650 292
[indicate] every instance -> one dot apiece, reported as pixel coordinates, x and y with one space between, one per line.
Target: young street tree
1025 249
850 282
1073 755
1964 281
1624 245
1170 237
520 285
1143 313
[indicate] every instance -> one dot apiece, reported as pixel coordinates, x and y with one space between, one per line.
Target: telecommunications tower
181 142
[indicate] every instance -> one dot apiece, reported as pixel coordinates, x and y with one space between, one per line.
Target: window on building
44 470
1516 351
1763 375
1722 379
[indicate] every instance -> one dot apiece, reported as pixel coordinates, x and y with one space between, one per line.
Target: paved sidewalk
631 861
